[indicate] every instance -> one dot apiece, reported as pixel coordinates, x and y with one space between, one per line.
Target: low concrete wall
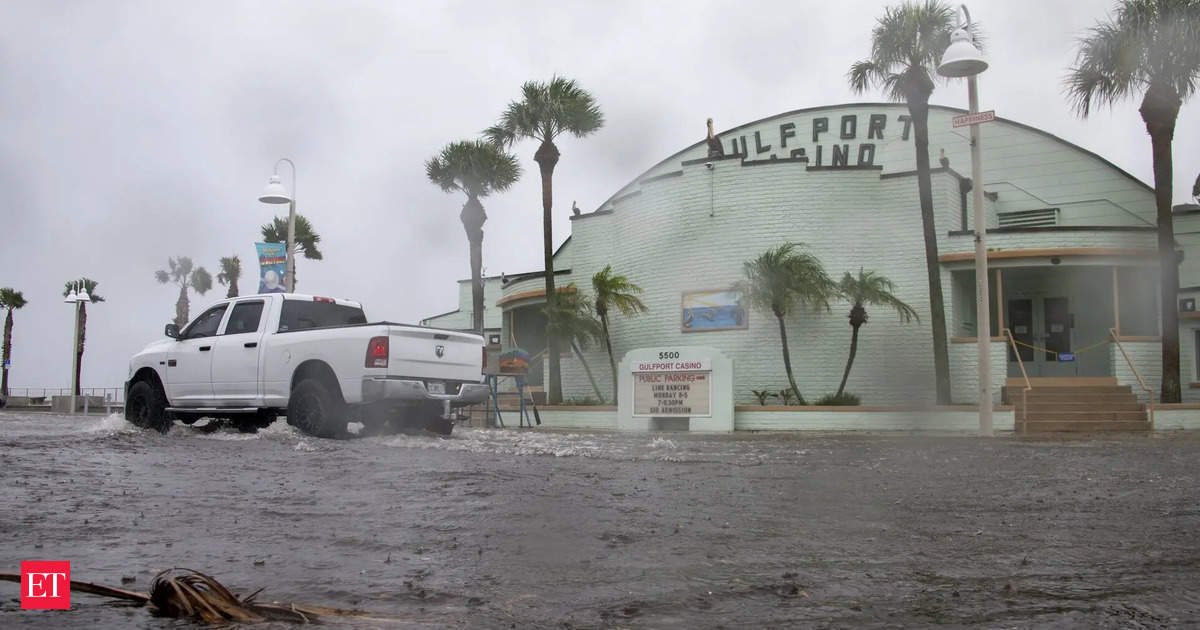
1176 417
952 418
578 417
949 418
62 404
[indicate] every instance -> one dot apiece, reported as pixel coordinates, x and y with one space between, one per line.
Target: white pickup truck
314 359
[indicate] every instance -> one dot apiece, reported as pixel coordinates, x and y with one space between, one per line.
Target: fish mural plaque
718 309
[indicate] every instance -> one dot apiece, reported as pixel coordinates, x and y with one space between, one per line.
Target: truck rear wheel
316 410
147 407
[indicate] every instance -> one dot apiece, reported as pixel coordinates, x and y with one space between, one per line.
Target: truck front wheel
315 410
147 407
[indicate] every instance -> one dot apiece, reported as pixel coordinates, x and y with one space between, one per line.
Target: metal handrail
1136 374
1028 386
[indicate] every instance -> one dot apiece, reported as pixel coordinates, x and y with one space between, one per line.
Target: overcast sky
135 131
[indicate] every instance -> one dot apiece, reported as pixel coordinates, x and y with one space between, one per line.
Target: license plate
436 388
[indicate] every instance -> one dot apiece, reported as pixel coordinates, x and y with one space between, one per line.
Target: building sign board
671 394
967 120
672 386
1066 357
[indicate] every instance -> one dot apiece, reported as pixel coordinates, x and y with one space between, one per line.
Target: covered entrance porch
1061 313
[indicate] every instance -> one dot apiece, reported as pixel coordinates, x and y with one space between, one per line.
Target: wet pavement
539 529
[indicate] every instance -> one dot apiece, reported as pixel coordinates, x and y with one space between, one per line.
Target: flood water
539 529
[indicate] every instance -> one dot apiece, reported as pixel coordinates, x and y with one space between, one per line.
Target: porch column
999 302
1116 302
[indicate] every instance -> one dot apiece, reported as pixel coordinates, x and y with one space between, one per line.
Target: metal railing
113 395
1149 392
1028 386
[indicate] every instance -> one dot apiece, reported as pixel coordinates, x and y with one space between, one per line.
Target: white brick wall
693 231
1147 358
964 370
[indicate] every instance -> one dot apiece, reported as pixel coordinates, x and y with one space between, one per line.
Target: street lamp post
963 59
276 193
78 295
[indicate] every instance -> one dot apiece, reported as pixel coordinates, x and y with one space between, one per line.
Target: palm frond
11 298
1142 43
780 279
545 111
476 167
616 291
231 270
907 43
201 280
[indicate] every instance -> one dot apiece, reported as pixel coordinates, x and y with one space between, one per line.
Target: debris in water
185 593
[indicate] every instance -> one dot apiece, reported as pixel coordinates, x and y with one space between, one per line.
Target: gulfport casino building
1071 238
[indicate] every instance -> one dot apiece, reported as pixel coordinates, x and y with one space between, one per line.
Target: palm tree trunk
473 217
181 306
8 326
612 362
547 157
919 110
787 360
1160 109
586 368
79 350
849 360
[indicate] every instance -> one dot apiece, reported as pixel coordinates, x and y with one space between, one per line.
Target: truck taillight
483 368
377 352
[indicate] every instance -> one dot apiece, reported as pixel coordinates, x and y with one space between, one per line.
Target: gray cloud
135 131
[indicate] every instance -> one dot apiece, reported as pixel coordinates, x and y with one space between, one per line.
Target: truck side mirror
171 331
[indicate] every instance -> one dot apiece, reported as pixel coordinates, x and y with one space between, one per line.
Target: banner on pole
272 265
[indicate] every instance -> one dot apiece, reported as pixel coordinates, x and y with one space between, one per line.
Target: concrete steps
1088 405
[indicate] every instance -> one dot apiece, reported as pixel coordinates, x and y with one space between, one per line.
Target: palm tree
779 281
12 300
545 111
181 273
1152 48
613 291
906 45
570 320
306 239
876 290
478 169
231 270
90 286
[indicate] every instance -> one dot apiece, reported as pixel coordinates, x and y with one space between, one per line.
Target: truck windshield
300 314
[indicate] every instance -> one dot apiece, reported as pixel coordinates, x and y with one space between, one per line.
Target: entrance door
1057 335
1020 322
1042 329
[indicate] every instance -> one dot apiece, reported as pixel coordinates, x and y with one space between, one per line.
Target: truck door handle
205 348
250 344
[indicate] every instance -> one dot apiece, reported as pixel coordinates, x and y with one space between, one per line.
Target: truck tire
147 407
316 411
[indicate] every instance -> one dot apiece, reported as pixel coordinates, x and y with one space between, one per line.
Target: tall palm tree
306 239
10 299
615 291
231 270
180 272
477 169
545 111
1152 48
906 45
570 320
868 288
781 280
90 285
